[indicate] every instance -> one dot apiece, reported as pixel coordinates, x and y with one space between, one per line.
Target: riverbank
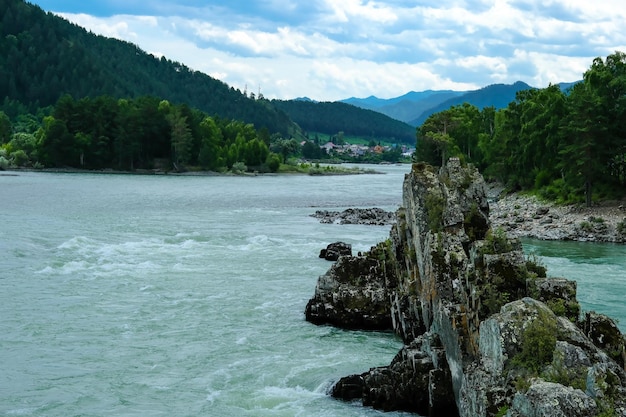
522 215
302 169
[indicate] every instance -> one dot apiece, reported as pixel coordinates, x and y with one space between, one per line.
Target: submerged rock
368 216
486 331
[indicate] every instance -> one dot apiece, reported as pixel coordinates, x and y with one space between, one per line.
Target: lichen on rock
486 331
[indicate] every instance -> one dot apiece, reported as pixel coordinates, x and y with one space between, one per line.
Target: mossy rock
604 333
559 294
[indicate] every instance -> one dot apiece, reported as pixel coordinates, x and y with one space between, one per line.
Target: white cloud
345 11
339 48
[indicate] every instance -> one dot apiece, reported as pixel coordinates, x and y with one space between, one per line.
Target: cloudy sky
335 49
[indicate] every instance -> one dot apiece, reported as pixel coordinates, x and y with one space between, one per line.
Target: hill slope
334 117
45 56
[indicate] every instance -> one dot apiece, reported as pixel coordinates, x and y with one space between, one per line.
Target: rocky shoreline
487 332
524 216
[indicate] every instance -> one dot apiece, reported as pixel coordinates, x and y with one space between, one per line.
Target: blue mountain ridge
415 107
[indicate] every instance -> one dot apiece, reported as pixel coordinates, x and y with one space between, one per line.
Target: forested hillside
333 117
567 146
43 57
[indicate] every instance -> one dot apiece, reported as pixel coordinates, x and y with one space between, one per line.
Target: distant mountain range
414 108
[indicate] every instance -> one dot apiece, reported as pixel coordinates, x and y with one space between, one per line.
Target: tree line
568 146
128 134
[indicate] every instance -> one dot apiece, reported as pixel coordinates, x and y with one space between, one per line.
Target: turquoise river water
126 295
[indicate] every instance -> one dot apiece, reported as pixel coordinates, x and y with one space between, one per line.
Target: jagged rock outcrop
354 293
417 379
333 251
486 332
539 364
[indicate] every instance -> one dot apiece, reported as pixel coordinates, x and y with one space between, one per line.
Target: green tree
6 129
25 142
57 144
182 141
434 143
273 162
127 136
210 137
311 151
495 146
255 153
285 147
607 81
582 153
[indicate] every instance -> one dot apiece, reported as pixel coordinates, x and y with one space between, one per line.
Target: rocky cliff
486 332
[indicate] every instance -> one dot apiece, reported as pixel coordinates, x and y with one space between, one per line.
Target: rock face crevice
486 333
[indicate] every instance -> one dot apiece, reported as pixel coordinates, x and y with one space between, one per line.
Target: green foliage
4 163
239 168
502 411
493 298
557 306
182 141
210 141
538 341
103 132
593 224
568 147
26 142
621 227
330 118
522 383
434 205
312 151
560 192
474 223
19 158
535 267
273 162
575 377
542 179
285 147
45 56
606 410
496 241
453 132
6 129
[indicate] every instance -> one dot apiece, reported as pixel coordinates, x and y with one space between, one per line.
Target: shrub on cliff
537 344
496 242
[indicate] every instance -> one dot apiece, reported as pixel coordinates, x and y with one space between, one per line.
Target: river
132 295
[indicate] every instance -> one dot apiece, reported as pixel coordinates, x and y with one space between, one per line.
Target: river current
126 295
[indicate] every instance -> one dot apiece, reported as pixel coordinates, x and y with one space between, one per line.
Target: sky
330 50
